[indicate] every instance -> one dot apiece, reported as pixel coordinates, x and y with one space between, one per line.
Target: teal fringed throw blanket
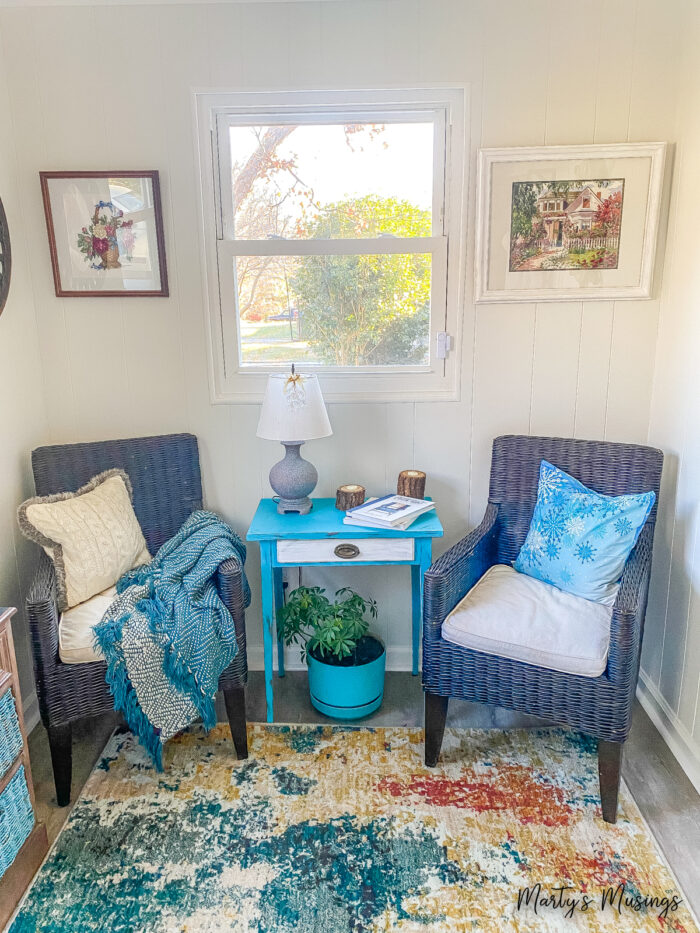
168 636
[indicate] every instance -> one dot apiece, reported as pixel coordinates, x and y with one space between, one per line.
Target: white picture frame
568 223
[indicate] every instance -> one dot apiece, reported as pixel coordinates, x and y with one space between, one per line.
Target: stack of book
393 512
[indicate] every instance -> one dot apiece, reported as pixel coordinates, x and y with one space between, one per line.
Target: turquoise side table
321 539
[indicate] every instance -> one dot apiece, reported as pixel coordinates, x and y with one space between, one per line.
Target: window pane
332 180
366 310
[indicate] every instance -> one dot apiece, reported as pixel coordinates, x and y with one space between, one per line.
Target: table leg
268 614
279 601
423 557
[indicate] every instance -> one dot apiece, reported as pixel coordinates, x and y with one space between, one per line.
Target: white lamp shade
293 409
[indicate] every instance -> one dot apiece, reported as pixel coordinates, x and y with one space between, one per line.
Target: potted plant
346 664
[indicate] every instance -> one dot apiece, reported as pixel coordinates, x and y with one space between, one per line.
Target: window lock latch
444 345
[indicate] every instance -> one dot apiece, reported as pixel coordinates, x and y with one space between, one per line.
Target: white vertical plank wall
670 683
24 423
113 367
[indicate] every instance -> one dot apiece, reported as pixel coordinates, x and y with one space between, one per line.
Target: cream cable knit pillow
92 535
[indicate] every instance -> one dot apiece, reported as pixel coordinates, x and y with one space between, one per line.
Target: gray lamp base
293 479
298 506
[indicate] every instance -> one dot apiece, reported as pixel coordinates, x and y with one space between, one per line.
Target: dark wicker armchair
167 486
600 706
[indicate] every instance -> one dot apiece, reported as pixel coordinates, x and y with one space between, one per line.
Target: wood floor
669 802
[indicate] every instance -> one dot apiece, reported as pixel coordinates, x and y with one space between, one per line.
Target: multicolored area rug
343 830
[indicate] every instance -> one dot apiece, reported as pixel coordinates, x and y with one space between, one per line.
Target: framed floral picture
105 233
559 223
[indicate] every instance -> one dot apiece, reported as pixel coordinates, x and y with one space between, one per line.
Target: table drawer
344 550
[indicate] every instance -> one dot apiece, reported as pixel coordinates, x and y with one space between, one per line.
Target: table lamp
292 412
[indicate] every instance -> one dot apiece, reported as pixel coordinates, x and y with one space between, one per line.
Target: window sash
383 245
229 247
315 116
228 250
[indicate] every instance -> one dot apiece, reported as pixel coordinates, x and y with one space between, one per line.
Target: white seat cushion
512 615
76 634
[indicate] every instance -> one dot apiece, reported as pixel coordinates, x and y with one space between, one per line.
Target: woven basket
10 735
16 819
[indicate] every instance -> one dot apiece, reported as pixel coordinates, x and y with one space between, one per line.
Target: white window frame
215 111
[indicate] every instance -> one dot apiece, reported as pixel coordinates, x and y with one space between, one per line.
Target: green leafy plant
322 627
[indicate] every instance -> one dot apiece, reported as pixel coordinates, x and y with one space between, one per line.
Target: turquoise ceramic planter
347 692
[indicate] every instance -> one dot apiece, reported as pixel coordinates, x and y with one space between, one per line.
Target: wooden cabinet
23 841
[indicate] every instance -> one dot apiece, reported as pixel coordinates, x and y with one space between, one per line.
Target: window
586 202
330 222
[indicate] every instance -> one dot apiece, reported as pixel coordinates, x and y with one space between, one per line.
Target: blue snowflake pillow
579 540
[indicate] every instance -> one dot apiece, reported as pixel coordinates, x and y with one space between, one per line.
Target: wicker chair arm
231 591
454 573
43 614
628 613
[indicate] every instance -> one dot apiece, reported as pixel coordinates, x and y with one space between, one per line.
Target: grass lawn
276 353
268 341
609 258
267 330
581 258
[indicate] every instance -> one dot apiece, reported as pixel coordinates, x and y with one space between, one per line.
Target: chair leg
234 697
435 716
609 770
61 746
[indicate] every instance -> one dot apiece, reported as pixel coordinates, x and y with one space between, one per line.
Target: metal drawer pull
346 551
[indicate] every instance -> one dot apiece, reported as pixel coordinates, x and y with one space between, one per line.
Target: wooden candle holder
347 497
411 483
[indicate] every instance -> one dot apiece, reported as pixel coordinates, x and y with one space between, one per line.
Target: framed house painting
561 223
105 233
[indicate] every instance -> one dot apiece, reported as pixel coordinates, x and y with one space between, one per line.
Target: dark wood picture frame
5 258
62 292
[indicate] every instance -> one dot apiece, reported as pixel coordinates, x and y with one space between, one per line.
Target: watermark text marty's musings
617 899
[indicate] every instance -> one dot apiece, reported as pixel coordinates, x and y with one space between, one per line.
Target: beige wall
21 402
109 86
671 659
